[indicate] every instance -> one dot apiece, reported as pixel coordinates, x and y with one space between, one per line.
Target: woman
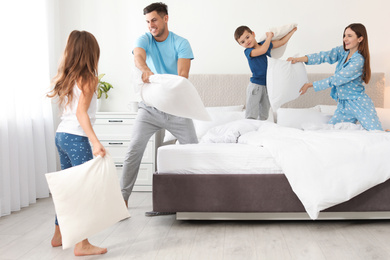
353 67
75 89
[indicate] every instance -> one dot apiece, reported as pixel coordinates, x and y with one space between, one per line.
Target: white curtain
27 148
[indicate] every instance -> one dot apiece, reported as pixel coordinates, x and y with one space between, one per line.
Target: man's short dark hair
240 31
160 8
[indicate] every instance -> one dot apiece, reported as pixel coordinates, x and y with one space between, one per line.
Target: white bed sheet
326 167
222 158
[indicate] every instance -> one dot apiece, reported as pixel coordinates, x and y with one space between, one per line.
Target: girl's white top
69 123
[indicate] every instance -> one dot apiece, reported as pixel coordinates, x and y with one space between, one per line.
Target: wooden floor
26 235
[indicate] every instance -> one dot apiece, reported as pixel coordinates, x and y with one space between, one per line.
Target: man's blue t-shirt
162 57
258 65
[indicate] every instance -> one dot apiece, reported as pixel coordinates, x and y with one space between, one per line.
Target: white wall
209 26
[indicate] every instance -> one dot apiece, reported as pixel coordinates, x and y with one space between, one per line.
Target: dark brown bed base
248 193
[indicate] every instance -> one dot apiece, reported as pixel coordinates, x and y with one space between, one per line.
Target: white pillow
218 118
284 80
327 109
87 199
384 117
297 117
279 32
230 132
217 114
225 108
174 95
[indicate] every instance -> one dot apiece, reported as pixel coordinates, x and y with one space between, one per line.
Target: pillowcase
279 32
284 80
87 199
174 95
219 115
230 132
298 117
225 108
327 109
384 117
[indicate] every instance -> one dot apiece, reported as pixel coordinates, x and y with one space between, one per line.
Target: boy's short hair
160 8
240 31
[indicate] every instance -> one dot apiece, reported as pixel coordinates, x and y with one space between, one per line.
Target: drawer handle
118 165
115 143
115 121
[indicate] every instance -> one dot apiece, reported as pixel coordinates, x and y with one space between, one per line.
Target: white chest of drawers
114 132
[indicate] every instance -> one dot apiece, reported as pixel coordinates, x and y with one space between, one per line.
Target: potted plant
103 87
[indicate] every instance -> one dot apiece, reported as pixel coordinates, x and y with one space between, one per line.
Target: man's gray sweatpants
149 120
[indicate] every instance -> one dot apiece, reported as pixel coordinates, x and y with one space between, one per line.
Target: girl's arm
264 47
86 95
284 40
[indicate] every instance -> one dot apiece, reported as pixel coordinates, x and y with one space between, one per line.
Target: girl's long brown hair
79 64
363 49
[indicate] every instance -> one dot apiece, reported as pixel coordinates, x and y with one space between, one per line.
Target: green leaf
103 87
101 76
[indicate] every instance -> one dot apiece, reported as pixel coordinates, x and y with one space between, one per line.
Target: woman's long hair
79 64
363 49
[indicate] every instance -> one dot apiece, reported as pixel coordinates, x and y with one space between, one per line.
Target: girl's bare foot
57 238
85 248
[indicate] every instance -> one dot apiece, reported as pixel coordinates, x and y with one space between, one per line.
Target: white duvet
325 168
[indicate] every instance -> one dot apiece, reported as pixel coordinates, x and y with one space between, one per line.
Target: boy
257 102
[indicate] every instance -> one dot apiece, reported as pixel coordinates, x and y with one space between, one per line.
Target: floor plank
26 234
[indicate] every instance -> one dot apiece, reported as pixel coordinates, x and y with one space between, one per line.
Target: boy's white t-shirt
69 123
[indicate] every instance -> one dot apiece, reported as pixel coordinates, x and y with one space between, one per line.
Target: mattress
211 158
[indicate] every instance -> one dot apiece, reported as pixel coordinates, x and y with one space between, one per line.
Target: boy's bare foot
85 248
57 238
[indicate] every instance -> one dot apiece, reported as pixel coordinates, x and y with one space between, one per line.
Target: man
162 52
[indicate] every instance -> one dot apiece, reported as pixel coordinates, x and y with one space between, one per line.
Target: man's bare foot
85 248
57 238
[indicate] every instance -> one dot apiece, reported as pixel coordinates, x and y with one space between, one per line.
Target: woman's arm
86 95
352 71
284 40
305 88
299 59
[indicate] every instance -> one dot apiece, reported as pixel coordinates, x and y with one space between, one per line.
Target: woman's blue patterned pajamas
73 150
353 104
361 109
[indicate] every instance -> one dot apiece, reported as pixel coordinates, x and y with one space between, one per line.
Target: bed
241 189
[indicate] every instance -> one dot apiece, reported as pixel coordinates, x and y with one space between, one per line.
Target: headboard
230 89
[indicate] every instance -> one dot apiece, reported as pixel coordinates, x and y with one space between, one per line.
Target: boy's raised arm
264 47
284 40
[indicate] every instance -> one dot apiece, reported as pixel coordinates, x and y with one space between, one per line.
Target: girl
75 88
353 67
